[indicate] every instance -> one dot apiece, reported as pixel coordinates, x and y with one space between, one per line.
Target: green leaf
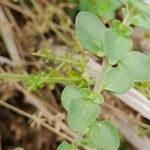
73 92
82 81
66 146
137 66
89 6
133 67
102 8
102 135
82 113
107 8
90 32
118 80
82 106
116 45
123 30
68 94
92 96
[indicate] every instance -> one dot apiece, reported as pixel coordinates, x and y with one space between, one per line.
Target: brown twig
35 119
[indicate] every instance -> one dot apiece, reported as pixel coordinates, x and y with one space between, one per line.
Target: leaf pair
130 66
82 106
134 66
101 135
95 38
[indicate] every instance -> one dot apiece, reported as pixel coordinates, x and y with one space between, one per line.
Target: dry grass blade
39 121
35 119
7 36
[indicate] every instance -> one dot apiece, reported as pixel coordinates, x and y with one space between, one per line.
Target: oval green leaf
69 93
82 113
103 135
137 65
107 8
116 45
90 32
118 80
133 67
102 8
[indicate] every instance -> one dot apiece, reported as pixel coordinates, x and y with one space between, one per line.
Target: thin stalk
40 121
61 59
36 119
78 138
61 80
128 19
101 76
18 77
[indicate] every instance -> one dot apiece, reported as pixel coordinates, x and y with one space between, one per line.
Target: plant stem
128 19
19 77
61 59
16 77
78 138
66 60
101 76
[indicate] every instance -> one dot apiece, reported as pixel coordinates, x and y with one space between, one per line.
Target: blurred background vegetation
38 45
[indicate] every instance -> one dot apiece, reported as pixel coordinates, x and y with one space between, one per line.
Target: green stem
61 80
18 77
101 76
128 19
78 138
61 59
